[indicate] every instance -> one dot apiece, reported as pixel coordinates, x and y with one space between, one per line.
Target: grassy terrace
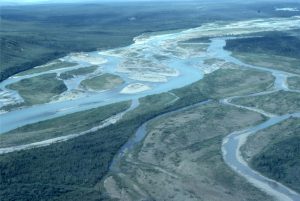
281 102
39 89
47 175
270 61
272 50
223 83
51 66
275 152
77 72
102 82
68 124
294 83
181 159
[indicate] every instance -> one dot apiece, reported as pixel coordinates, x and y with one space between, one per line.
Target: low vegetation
74 170
39 89
47 175
51 66
275 152
273 50
102 82
226 82
286 64
181 159
65 125
77 72
281 102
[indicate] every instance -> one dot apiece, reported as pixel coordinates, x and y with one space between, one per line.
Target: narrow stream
232 156
140 134
233 142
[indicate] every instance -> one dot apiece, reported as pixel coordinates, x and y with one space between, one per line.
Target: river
188 74
233 142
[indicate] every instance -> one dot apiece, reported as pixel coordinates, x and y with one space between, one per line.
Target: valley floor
213 139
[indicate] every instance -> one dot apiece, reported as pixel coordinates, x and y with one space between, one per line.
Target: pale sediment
135 88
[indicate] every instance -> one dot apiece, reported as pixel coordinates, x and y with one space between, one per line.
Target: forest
34 35
287 44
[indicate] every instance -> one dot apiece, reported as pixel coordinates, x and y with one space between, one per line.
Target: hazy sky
60 1
87 1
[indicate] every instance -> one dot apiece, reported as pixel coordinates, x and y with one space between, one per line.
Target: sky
13 2
58 1
17 2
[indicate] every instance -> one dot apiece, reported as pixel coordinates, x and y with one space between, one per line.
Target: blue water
24 116
188 75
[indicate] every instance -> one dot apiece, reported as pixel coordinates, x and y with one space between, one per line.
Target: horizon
34 2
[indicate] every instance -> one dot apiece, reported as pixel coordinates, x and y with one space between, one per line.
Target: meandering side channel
233 142
140 135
